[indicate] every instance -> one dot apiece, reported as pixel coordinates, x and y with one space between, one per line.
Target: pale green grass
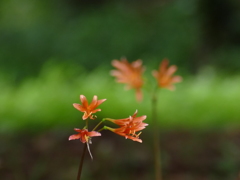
205 100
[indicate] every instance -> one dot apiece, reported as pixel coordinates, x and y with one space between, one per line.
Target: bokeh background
53 51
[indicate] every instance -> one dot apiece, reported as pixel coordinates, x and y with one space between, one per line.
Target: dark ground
185 156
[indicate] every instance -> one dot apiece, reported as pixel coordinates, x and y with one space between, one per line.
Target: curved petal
75 136
95 110
176 79
171 70
79 107
86 115
84 101
121 65
135 113
93 103
116 73
139 119
77 130
134 138
137 63
163 66
100 101
93 133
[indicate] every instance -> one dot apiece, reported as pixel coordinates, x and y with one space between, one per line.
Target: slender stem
98 124
156 139
81 162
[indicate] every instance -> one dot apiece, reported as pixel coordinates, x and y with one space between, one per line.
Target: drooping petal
79 107
129 126
74 136
86 115
84 135
134 138
176 79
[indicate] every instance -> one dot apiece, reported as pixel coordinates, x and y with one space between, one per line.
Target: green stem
98 124
157 151
81 162
102 129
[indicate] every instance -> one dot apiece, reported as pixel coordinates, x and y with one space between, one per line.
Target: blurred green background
53 51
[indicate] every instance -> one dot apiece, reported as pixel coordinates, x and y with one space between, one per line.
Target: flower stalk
81 162
127 127
131 75
156 139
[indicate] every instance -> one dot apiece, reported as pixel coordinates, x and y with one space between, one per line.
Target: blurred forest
92 33
53 51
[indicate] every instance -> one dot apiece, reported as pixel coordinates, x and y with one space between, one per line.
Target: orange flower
130 74
129 126
165 76
88 109
83 135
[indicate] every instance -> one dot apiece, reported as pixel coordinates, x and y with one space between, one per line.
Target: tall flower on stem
165 79
83 134
129 74
127 127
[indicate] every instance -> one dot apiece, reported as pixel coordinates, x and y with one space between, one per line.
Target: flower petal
84 101
95 110
171 70
79 107
163 66
77 130
86 115
93 103
176 79
134 138
137 63
100 101
93 133
75 136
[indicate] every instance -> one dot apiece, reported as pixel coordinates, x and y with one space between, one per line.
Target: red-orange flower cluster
165 76
130 74
83 135
88 109
129 126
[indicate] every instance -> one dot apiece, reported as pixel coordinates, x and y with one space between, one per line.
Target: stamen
138 134
89 151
